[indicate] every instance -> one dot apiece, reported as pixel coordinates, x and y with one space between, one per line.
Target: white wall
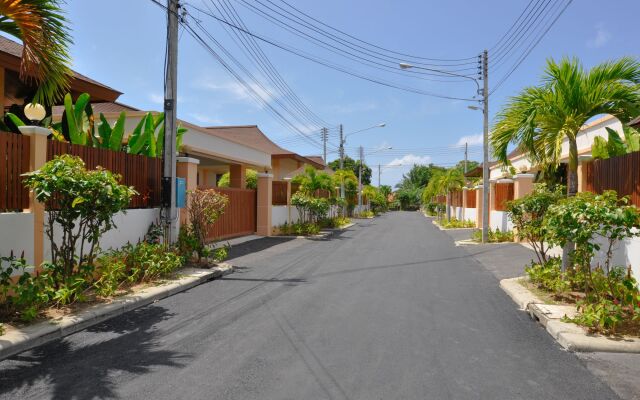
16 233
624 254
280 215
499 220
131 228
470 214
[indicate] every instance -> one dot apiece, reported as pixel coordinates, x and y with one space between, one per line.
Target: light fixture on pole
35 112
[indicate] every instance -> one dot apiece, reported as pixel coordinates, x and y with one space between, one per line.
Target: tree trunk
572 190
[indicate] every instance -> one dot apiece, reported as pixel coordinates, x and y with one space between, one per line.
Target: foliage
455 223
539 118
377 200
495 236
409 198
82 202
312 180
205 207
527 215
366 214
335 222
471 165
250 179
43 29
352 165
386 190
309 208
614 145
548 275
300 229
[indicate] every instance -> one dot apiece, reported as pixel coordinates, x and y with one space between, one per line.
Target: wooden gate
239 217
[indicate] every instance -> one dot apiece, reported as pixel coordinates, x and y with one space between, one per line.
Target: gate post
187 168
479 191
264 206
37 158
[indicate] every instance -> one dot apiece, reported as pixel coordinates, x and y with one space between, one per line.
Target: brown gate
239 217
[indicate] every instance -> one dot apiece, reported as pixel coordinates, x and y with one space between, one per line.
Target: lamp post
360 172
485 136
343 139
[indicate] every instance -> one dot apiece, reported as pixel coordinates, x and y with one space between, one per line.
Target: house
15 93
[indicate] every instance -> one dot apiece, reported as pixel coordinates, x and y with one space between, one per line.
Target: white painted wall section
499 220
16 234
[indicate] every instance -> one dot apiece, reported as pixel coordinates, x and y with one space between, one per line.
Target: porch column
288 180
448 205
37 158
582 178
237 176
263 220
492 195
522 185
479 190
187 168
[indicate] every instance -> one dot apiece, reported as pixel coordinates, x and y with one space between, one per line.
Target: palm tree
312 181
541 117
42 27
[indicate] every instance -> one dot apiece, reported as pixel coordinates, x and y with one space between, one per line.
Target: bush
548 276
455 223
205 207
82 203
335 222
309 208
496 236
527 215
300 229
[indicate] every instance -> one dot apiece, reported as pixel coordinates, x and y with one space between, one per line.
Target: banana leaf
615 145
75 135
117 133
136 140
179 134
632 139
104 130
160 140
150 135
599 149
15 119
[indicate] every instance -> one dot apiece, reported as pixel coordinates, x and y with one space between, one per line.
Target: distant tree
251 179
419 176
470 165
353 165
386 190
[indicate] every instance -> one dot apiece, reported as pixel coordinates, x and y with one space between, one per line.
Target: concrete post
523 185
37 158
187 168
479 193
237 176
288 200
492 196
582 183
265 182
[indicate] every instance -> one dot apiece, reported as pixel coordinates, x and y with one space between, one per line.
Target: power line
328 64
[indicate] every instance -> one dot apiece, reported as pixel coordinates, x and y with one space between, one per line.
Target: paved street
389 309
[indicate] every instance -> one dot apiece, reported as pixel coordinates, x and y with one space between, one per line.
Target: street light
343 139
485 134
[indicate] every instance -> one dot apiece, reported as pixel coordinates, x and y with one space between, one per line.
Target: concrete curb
433 221
15 341
570 336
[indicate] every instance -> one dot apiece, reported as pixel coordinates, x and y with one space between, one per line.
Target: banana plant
111 137
79 120
148 136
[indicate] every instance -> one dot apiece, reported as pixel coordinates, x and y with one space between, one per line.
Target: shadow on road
257 245
124 346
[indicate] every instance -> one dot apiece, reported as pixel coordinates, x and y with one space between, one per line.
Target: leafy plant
250 178
495 236
147 262
614 145
455 223
82 203
527 215
205 207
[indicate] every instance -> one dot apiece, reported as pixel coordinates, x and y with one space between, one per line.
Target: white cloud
602 37
409 160
470 140
205 119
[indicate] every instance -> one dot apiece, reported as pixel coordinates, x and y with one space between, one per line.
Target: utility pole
170 94
341 160
325 137
360 180
485 148
379 168
465 156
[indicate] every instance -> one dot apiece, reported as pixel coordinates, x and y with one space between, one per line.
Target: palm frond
42 27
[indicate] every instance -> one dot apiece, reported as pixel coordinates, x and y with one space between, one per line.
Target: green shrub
548 276
366 214
300 229
147 262
85 203
205 207
335 222
496 236
455 223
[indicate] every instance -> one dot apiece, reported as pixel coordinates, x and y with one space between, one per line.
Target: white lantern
35 112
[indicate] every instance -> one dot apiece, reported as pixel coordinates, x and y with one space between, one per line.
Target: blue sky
121 43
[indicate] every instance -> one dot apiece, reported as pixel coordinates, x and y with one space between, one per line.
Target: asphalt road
390 309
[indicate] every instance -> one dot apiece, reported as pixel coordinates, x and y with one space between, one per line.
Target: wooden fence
471 198
142 172
279 193
441 199
621 174
456 198
239 217
504 193
14 161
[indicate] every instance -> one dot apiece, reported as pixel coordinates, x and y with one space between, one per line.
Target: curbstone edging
19 340
570 336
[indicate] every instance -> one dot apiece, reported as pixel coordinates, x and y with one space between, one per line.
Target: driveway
389 309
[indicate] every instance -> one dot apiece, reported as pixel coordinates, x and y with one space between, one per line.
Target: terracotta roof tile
248 135
103 107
